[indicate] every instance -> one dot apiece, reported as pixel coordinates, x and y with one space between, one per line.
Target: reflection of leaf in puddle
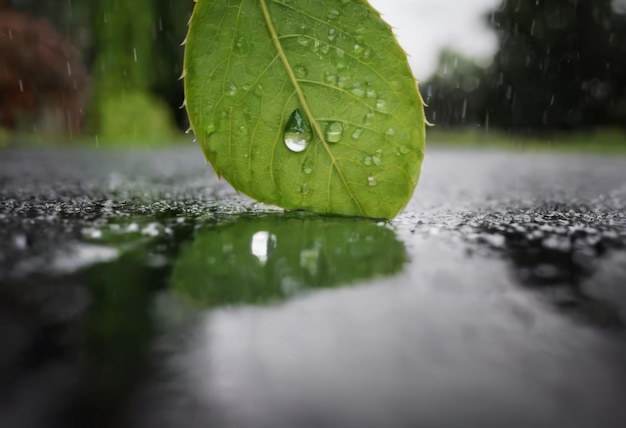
255 260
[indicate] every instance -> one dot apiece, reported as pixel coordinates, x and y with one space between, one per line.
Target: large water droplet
297 132
334 132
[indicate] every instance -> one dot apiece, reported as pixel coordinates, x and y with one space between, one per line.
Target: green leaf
252 66
264 259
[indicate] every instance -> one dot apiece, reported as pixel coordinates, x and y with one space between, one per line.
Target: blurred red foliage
42 81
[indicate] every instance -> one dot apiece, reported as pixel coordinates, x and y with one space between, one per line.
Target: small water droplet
304 41
369 118
258 91
297 132
390 132
331 34
307 170
371 180
333 14
371 93
342 81
368 161
397 85
381 105
241 130
377 161
301 70
357 50
358 89
357 133
340 59
404 150
334 132
330 78
209 129
304 189
231 89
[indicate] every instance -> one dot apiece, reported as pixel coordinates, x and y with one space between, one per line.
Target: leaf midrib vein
303 102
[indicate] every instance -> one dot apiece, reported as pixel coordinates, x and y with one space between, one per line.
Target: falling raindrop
334 132
297 134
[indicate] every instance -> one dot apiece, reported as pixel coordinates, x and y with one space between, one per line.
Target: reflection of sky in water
424 27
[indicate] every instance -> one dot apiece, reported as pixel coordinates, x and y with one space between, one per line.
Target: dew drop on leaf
304 41
357 50
371 180
357 133
301 71
334 132
231 90
297 134
209 128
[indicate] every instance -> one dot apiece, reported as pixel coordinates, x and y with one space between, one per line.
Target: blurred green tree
561 65
454 93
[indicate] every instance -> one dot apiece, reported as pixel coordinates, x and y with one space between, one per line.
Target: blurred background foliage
560 68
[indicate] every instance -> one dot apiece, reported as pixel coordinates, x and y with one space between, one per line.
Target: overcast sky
424 27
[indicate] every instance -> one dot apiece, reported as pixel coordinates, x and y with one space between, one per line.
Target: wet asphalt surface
137 290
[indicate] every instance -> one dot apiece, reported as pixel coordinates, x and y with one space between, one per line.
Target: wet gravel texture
509 312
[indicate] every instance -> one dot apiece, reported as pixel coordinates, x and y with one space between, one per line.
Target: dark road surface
136 290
